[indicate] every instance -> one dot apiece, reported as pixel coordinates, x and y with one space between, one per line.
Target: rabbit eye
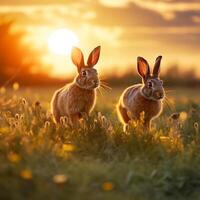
150 84
84 73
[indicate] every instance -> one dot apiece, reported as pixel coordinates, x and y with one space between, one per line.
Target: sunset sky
124 28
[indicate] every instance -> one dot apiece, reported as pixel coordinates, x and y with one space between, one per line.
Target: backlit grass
42 160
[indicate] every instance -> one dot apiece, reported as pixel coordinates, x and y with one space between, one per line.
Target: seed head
24 102
15 86
37 103
47 124
17 116
59 178
196 127
175 116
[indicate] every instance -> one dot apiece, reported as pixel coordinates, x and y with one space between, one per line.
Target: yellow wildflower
4 130
196 127
165 139
107 186
15 86
2 90
60 178
26 174
13 157
183 116
68 147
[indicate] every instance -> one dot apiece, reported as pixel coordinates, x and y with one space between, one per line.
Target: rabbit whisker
169 104
102 78
104 82
168 91
105 86
99 90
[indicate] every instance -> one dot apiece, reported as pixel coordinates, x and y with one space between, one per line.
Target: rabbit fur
79 96
143 98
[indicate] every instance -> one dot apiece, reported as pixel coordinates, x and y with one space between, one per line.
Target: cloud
168 9
157 5
170 6
34 2
137 16
166 38
196 19
50 15
131 15
116 3
103 14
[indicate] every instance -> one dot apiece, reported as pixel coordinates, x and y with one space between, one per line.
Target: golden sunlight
61 41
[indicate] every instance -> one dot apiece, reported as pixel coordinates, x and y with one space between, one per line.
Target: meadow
41 160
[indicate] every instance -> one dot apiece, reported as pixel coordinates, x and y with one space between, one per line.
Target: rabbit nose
159 94
95 82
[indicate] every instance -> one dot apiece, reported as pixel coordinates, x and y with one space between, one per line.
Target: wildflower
107 186
15 86
21 117
4 130
13 157
26 174
126 128
66 119
62 121
2 90
84 116
68 147
47 124
165 140
183 116
142 117
23 101
110 129
49 115
99 115
16 124
104 120
60 178
17 116
196 125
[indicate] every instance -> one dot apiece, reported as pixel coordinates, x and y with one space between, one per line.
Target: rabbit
146 98
78 97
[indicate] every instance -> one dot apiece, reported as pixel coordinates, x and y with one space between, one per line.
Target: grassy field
41 160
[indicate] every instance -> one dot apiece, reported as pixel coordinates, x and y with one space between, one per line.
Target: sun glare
61 41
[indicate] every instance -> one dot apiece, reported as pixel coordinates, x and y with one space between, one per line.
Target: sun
61 41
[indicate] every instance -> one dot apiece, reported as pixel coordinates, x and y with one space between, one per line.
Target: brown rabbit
143 98
80 96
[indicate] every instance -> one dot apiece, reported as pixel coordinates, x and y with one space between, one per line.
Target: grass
41 160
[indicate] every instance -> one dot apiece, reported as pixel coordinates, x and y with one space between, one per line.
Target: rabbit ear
143 67
156 69
94 57
77 58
